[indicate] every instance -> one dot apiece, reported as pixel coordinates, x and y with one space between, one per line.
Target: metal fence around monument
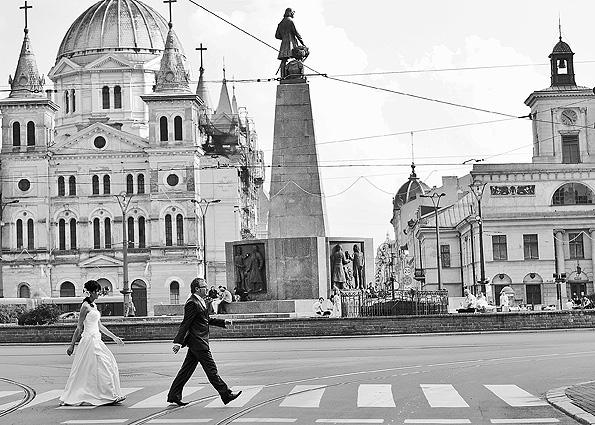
355 303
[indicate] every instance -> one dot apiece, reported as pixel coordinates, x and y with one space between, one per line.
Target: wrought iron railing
355 303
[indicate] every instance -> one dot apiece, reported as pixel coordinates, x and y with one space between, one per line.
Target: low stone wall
246 307
164 328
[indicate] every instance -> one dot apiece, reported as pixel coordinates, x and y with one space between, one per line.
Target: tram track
29 396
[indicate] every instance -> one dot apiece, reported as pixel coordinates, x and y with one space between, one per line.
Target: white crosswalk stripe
375 395
7 393
443 395
125 393
304 396
515 396
160 400
247 394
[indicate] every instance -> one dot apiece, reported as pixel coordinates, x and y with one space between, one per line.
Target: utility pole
124 201
2 206
435 197
477 189
203 205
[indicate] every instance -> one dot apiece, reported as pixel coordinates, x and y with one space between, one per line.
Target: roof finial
559 26
25 7
201 49
224 80
170 13
413 175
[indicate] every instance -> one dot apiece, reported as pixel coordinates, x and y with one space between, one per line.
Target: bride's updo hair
91 286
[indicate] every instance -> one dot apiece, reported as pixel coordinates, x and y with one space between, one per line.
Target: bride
94 378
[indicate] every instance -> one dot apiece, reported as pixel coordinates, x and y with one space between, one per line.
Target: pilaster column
560 261
592 234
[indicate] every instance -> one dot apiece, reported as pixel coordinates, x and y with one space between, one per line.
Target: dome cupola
410 190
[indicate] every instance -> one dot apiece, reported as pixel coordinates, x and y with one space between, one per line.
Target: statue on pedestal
290 40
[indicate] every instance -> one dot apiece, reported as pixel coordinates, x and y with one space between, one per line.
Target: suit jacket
194 329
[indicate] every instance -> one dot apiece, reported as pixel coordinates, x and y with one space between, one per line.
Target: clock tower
561 114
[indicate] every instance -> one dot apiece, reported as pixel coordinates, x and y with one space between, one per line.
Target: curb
558 398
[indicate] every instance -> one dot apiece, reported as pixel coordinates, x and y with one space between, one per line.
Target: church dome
561 47
410 189
115 25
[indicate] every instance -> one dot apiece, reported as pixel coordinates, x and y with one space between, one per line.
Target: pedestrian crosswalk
303 396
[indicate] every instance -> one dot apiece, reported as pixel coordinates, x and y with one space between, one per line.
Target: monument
294 262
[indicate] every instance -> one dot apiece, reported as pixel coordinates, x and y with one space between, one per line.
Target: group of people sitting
330 307
473 304
219 299
582 302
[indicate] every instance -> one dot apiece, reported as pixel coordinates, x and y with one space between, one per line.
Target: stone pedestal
297 207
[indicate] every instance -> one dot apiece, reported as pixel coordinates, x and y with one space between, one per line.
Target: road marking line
160 400
264 420
245 397
442 395
350 421
179 421
515 396
309 396
7 393
375 395
525 421
437 421
41 398
96 421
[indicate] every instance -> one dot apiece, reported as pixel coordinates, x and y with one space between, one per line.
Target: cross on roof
25 7
201 49
170 3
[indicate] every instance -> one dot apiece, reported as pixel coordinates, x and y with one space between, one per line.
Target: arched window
106 185
62 234
130 231
142 243
129 183
105 97
180 229
30 133
96 234
108 233
30 235
24 291
72 233
140 183
573 194
19 234
61 186
168 230
16 134
178 128
73 100
66 102
117 97
174 293
72 186
95 185
67 290
163 131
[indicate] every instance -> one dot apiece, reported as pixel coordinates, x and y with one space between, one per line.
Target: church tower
27 133
561 114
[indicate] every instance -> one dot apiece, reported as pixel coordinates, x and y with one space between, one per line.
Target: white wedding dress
94 377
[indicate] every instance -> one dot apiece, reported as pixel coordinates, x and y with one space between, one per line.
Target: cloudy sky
491 55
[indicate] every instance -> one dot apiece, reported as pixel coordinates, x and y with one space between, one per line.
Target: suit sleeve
190 311
217 322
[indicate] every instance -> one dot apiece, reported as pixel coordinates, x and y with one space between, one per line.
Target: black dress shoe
178 402
229 397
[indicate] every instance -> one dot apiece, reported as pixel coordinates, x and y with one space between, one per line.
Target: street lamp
559 278
2 206
203 204
124 201
477 189
435 197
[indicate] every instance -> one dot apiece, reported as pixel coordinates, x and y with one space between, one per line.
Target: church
526 227
122 172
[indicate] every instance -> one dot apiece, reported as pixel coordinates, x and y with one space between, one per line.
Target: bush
9 312
41 315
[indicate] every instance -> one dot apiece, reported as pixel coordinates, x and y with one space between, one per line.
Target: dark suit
194 333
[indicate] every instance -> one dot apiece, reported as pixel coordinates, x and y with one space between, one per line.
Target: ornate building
535 219
122 150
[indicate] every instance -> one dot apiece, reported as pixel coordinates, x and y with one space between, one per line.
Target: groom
194 333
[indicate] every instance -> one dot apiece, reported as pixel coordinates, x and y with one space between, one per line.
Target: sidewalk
577 401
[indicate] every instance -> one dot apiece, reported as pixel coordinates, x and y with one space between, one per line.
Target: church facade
122 152
527 226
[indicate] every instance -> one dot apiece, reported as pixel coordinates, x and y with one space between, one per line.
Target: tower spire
201 88
172 75
26 81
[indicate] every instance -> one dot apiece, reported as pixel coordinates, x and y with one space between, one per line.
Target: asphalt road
475 378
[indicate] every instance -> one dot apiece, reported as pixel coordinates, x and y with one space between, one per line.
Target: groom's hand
176 348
